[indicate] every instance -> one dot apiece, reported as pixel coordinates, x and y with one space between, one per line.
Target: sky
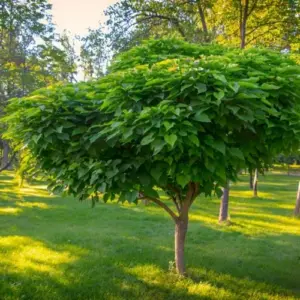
77 16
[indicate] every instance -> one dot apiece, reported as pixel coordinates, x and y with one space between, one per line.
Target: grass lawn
59 248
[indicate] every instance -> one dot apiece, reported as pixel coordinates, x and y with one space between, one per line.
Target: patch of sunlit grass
249 194
10 210
22 254
40 205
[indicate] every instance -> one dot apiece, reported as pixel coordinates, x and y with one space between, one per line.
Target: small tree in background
183 126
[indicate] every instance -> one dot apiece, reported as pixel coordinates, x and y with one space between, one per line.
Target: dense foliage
178 121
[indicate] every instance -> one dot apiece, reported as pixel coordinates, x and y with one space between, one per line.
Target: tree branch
162 205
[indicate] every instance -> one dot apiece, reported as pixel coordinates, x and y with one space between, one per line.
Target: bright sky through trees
77 16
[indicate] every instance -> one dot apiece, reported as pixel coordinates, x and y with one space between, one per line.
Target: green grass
59 248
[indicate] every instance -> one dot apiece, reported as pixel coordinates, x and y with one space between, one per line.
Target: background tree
181 125
31 56
268 23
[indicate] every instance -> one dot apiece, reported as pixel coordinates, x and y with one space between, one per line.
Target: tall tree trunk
203 20
251 179
5 157
244 7
181 227
297 206
255 182
224 205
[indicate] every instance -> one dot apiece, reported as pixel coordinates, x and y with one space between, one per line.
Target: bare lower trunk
5 156
288 169
297 207
223 214
255 182
251 179
181 227
146 202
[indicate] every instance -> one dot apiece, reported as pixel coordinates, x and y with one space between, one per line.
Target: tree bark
255 183
297 206
251 179
224 205
181 227
243 21
203 21
5 156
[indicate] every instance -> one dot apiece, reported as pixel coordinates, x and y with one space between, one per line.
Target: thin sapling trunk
255 183
224 205
297 206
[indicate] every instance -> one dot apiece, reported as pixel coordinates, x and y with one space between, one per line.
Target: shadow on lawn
112 252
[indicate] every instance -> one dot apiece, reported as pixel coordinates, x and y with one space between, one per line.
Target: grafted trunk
255 183
5 156
224 205
297 206
181 227
251 179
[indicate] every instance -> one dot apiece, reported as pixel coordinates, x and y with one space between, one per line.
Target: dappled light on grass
24 254
60 248
40 205
249 194
10 210
156 277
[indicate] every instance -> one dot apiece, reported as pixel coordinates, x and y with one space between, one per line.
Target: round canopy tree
178 119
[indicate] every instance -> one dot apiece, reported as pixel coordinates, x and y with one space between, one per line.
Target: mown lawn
59 248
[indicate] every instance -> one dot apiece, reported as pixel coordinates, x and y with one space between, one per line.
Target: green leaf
194 139
171 139
79 130
111 173
150 192
157 146
219 95
202 117
237 153
156 173
183 179
201 87
220 77
168 125
147 139
131 196
218 145
59 129
267 86
186 86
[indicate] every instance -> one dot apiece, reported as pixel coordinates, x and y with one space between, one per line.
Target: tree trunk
288 169
181 227
255 182
223 214
297 207
244 6
5 156
203 21
251 179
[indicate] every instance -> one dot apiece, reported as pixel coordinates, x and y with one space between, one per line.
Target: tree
94 53
28 57
190 20
177 125
268 23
